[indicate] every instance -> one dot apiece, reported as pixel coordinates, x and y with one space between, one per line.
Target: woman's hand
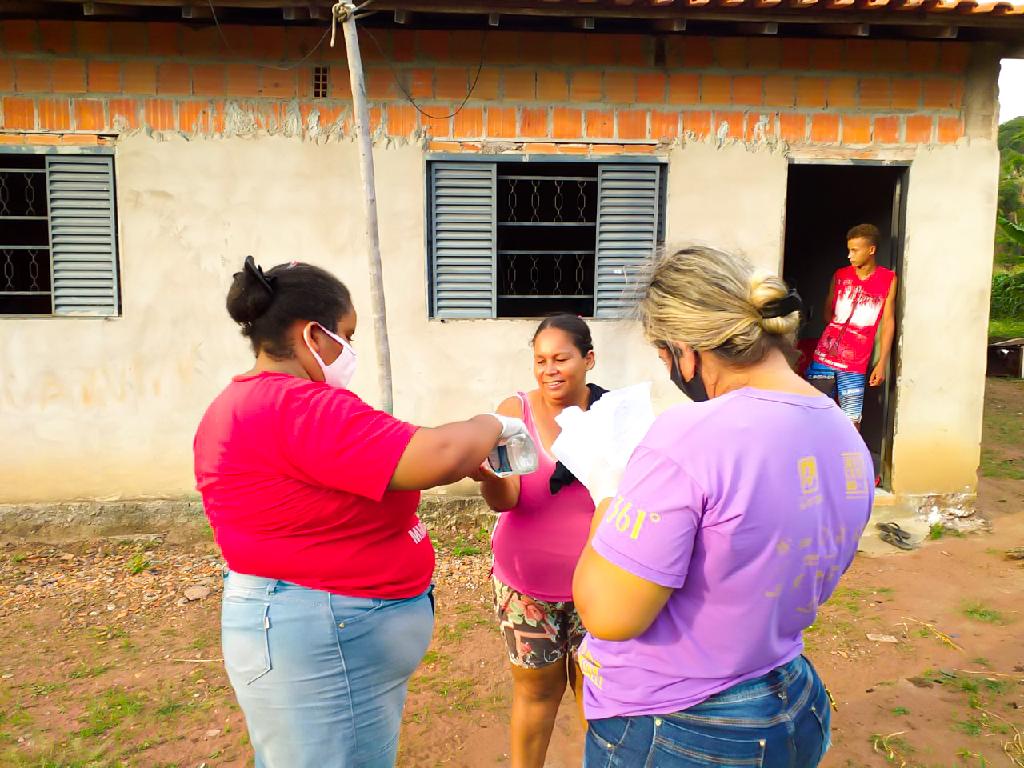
483 473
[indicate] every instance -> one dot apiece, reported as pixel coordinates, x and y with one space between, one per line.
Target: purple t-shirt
750 507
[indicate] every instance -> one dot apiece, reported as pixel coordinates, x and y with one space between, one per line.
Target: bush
1008 295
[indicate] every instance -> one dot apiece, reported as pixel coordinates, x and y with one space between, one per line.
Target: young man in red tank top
861 300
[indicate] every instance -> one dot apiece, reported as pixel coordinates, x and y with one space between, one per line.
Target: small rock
197 593
110 606
182 601
212 732
920 682
882 638
67 557
6 676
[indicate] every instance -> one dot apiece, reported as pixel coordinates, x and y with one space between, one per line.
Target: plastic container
516 456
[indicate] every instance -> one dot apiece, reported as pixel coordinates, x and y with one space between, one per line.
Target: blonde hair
714 301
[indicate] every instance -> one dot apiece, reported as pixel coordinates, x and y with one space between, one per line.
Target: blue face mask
694 388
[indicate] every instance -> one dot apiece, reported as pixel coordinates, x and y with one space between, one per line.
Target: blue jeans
779 720
321 678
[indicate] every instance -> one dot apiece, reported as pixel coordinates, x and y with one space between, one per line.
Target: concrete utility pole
345 12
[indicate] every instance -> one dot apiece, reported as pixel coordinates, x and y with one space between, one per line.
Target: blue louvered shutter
83 238
463 239
627 234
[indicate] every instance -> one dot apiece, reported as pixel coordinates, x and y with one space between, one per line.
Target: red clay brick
420 83
664 125
698 52
842 92
796 53
104 77
585 86
164 38
466 46
89 115
501 122
32 76
44 139
268 43
860 55
503 48
764 53
697 123
243 80
730 52
567 48
77 139
906 93
600 50
922 56
278 84
632 124
433 45
128 38
683 89
875 92
650 88
779 91
600 124
469 123
140 77
20 36
634 51
6 75
792 127
826 54
811 92
953 57
159 114
193 117
125 109
887 130
748 90
951 129
715 89
760 127
174 79
208 80
403 45
54 114
566 123
379 83
941 94
734 122
520 84
340 86
856 129
436 123
401 119
890 55
533 123
19 113
451 83
919 129
488 85
825 129
68 76
535 47
552 86
92 37
56 37
620 87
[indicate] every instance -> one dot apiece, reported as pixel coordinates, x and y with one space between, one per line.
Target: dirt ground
104 660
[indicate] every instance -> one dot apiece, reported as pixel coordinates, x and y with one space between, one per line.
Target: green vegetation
979 612
1008 281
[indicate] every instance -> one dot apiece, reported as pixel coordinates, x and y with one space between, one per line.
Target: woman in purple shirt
733 522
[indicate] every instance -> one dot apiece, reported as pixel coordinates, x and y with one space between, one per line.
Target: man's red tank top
849 338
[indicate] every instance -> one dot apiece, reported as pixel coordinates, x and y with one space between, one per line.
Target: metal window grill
321 82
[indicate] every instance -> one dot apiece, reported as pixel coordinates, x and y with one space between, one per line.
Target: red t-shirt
849 339
294 478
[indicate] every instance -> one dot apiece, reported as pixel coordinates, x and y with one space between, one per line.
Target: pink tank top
849 338
536 543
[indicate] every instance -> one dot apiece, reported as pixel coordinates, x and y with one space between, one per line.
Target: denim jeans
779 720
321 678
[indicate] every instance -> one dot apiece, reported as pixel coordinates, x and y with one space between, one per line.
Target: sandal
893 529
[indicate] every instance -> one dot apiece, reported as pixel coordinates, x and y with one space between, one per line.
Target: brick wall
71 81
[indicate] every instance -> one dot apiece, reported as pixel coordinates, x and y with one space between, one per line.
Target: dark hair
267 305
573 325
867 231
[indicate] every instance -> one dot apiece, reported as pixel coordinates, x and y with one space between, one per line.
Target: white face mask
340 372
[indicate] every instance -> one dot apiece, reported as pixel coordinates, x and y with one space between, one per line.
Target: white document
595 445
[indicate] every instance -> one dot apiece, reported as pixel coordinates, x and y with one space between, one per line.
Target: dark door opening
822 203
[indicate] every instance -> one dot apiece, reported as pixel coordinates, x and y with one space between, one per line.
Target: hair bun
250 295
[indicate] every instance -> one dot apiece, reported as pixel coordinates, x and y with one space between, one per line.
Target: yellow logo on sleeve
810 482
856 475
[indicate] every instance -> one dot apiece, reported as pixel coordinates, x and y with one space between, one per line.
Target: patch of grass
17 717
18 557
463 548
45 689
1005 328
969 727
981 661
110 710
172 708
966 754
82 671
138 563
993 465
900 711
979 612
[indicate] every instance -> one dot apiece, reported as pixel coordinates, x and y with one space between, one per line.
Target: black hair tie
257 271
788 304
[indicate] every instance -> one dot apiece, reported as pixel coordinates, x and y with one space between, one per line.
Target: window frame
72 151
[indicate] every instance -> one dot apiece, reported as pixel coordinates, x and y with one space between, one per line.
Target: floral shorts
537 633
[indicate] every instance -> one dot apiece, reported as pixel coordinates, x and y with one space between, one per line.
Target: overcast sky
1011 90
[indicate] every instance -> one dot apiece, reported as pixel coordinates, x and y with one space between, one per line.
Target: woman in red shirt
312 496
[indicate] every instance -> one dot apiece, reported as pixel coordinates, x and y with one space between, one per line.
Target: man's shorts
537 633
850 387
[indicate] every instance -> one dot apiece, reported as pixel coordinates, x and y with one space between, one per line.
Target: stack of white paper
595 445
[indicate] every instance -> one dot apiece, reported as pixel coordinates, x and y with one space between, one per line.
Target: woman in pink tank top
542 530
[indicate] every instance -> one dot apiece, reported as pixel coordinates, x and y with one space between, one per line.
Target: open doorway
822 203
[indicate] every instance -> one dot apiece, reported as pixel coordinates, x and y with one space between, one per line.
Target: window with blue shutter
58 237
527 239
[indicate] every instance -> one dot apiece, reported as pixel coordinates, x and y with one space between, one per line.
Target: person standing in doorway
544 523
860 304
